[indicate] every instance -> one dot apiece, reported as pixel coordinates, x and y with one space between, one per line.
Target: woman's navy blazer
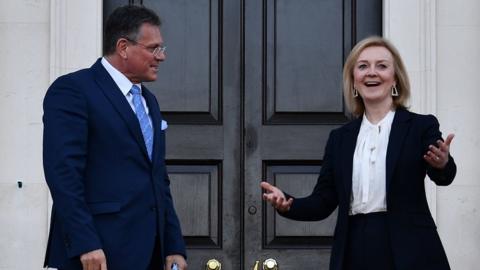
413 234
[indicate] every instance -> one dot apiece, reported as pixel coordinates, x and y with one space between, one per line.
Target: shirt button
153 208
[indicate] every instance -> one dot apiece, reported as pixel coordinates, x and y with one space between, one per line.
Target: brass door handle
270 264
213 264
255 267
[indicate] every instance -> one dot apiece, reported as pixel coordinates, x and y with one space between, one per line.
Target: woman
374 169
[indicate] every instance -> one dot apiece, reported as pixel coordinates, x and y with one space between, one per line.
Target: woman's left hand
437 157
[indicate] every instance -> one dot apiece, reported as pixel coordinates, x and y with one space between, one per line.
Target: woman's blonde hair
355 104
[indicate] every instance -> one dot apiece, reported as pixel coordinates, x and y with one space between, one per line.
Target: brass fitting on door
213 264
255 267
270 264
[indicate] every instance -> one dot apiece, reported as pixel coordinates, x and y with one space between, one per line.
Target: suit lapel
400 127
119 102
349 141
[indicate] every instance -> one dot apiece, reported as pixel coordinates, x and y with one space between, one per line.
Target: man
104 157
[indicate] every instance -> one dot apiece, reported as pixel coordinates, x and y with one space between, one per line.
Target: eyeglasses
156 51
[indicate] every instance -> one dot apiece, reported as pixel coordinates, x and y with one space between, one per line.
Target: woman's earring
355 92
394 91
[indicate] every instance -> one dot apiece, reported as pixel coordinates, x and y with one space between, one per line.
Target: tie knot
135 90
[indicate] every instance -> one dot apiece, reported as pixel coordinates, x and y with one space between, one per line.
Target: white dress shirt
369 166
125 85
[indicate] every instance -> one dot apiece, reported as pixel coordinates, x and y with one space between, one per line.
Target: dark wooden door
250 90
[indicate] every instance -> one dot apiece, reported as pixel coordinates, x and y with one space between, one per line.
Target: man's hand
178 259
276 197
94 260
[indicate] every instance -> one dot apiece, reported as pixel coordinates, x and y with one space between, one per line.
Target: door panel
293 56
188 86
251 90
299 180
198 207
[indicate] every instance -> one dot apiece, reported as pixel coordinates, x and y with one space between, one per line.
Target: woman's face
374 75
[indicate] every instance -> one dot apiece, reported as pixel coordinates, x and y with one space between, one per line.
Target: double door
251 90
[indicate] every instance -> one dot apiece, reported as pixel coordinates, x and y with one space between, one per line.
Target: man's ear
121 48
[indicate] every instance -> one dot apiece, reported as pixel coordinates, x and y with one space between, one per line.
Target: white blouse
369 166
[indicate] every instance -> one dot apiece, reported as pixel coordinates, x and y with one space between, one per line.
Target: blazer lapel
119 102
349 141
400 126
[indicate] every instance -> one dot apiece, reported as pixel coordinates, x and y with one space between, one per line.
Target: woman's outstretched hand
276 197
437 157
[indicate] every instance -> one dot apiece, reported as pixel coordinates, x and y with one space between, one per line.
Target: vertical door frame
75 41
416 39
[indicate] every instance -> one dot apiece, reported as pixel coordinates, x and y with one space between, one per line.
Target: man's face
141 64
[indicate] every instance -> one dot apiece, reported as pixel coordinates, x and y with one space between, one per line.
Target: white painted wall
458 59
24 76
41 39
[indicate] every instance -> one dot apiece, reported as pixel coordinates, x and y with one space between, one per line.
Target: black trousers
368 245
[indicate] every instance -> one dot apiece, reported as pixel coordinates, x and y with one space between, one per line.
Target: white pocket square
164 125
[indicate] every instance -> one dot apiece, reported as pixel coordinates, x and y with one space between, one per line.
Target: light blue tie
142 116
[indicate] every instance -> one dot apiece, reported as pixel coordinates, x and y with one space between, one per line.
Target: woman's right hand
276 197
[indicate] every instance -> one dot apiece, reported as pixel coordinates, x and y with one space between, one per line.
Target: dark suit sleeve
431 135
174 243
64 156
324 199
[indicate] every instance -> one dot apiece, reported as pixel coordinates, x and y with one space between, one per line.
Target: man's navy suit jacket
106 192
413 235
